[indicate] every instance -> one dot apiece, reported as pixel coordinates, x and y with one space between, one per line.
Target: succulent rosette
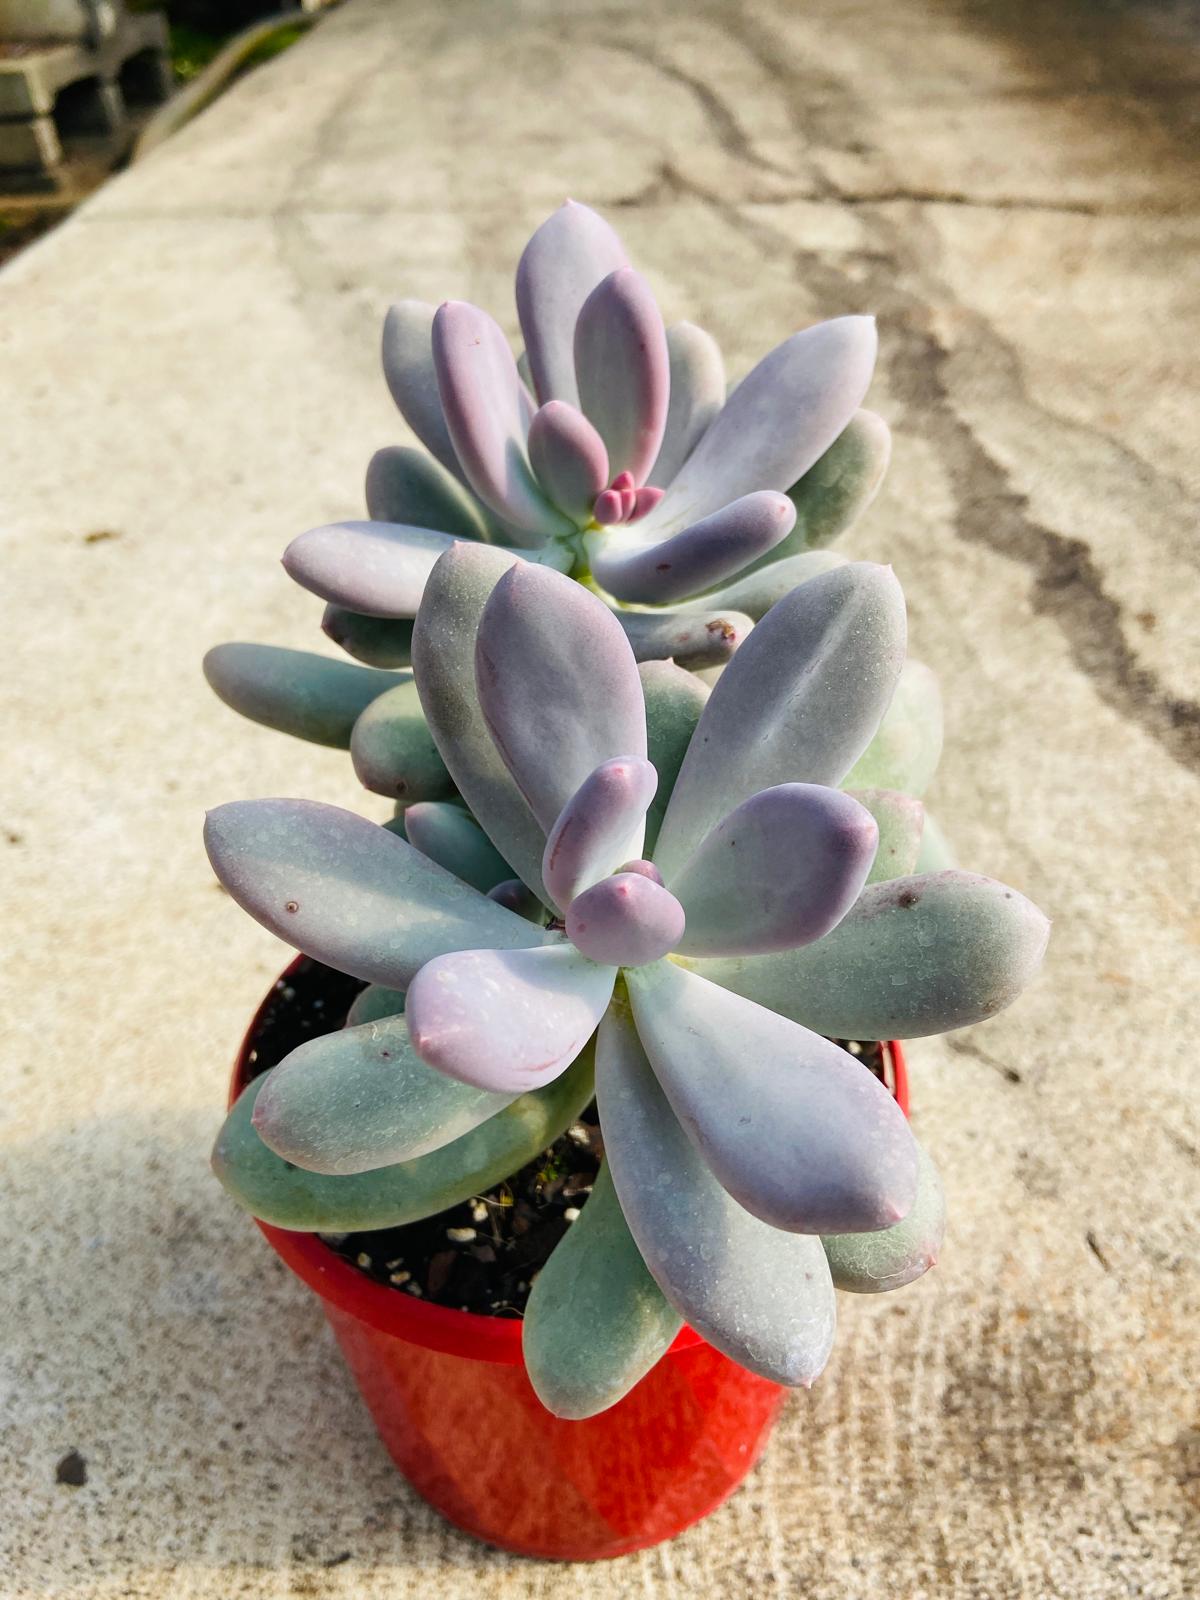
707 909
616 456
610 451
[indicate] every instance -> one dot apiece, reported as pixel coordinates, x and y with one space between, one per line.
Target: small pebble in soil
71 1470
571 1214
461 1235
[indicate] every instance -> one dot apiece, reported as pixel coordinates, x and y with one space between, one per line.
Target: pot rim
403 1316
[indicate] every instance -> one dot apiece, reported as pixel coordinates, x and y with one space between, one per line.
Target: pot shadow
150 1330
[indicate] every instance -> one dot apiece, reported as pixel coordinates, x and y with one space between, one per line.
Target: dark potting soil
484 1254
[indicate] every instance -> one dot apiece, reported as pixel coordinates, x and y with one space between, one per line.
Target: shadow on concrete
155 1334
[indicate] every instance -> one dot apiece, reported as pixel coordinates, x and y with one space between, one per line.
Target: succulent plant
707 908
610 451
621 458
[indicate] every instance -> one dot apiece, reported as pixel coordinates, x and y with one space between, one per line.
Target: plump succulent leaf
674 700
376 641
915 956
506 1020
793 1127
907 747
373 1004
627 920
762 1296
703 637
596 1321
935 854
309 696
622 370
703 554
697 376
781 869
411 378
778 421
798 703
444 664
554 674
569 458
406 485
282 1193
348 892
393 750
362 1098
448 835
838 488
562 263
872 1263
488 411
378 568
601 826
900 819
757 593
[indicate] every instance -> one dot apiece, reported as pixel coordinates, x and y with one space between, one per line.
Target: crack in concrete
727 129
1067 585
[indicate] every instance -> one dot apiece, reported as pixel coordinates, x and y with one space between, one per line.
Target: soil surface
484 1254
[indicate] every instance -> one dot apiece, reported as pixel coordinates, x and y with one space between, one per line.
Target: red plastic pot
449 1395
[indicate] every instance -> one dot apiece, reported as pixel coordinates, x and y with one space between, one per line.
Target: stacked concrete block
70 70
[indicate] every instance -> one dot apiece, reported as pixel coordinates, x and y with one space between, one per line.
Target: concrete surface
189 378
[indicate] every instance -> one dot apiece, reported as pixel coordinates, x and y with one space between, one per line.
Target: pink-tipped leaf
569 458
644 502
627 920
562 263
777 422
557 684
623 372
780 870
601 825
487 410
889 1258
793 1127
609 509
504 1020
443 654
702 555
798 703
760 1295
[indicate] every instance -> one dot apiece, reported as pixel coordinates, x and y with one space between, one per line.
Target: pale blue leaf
762 1296
798 703
596 1321
348 892
798 1131
506 1020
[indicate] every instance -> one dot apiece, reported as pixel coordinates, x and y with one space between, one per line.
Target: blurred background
86 86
